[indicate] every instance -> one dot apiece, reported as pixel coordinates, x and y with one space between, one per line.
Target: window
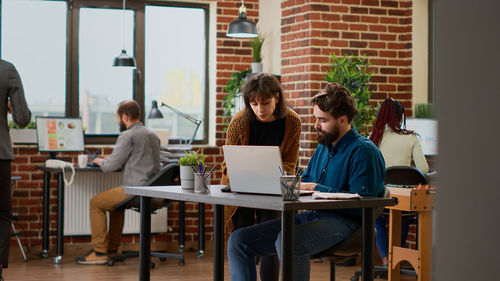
175 67
33 38
64 53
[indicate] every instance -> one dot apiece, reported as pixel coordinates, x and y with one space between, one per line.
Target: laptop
254 169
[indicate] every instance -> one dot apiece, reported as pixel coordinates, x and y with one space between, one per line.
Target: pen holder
290 186
202 182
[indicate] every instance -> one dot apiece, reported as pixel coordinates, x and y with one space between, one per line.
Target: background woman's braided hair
392 114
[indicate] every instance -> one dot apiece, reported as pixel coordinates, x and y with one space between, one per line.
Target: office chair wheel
355 278
153 265
163 259
111 262
182 262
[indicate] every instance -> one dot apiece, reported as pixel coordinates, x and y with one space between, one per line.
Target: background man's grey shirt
137 150
11 87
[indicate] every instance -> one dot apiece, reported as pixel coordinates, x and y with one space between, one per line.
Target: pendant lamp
242 27
124 60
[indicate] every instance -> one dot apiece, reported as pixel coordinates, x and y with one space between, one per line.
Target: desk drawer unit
77 198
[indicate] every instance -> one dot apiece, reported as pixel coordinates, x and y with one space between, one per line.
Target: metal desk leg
60 219
182 226
201 230
368 244
145 240
219 243
287 244
46 216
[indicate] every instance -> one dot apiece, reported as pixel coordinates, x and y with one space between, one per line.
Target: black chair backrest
404 175
166 176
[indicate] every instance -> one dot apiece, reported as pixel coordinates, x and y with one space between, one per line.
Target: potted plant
350 72
233 89
26 135
187 163
256 44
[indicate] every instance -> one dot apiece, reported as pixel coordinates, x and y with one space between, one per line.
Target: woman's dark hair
130 108
337 101
392 114
263 86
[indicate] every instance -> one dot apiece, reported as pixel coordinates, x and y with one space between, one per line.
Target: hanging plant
233 88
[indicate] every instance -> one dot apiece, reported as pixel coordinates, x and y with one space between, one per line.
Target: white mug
83 160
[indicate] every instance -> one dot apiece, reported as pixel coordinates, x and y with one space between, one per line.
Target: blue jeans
315 231
382 240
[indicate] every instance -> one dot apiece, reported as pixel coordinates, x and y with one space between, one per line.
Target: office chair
14 232
347 249
167 175
399 175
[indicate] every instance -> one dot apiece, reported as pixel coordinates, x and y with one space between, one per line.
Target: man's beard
328 138
123 127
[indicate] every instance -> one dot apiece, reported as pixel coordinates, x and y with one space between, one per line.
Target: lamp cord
123 24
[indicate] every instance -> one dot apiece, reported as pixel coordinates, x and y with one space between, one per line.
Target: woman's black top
267 133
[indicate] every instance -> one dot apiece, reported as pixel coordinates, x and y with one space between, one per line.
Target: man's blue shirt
353 165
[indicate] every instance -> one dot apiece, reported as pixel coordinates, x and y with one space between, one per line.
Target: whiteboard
427 130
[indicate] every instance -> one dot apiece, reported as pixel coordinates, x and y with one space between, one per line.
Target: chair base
135 254
381 272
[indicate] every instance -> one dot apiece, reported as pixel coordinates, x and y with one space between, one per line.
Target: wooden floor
197 269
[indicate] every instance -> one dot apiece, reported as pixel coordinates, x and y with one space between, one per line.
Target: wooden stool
415 200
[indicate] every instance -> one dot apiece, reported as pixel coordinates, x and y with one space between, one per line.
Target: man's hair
336 100
130 108
263 86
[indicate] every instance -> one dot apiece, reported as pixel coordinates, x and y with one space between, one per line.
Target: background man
11 101
344 161
137 151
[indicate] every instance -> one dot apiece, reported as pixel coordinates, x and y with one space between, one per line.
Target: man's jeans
315 231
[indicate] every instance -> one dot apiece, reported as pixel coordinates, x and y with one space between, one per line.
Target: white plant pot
256 67
187 177
23 136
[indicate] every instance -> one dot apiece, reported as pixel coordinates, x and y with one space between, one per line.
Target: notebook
254 169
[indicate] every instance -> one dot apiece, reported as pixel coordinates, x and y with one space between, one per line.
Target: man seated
137 152
344 161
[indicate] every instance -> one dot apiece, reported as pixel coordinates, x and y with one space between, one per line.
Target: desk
61 212
288 210
415 200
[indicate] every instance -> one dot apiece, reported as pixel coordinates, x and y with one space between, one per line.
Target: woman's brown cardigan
238 133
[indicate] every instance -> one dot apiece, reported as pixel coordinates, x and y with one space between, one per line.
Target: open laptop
254 169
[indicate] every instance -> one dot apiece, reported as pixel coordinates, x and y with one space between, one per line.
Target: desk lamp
156 114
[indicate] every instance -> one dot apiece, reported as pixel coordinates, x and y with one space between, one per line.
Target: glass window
102 35
33 38
175 61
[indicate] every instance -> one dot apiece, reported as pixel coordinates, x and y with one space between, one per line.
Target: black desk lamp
156 114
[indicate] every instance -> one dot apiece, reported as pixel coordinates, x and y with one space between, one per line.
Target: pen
201 169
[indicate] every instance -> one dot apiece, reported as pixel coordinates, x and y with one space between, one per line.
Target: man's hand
98 161
307 185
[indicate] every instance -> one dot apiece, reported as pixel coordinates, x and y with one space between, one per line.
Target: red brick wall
312 30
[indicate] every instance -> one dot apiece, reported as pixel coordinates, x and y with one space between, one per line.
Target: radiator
76 204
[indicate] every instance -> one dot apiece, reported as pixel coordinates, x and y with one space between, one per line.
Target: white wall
269 25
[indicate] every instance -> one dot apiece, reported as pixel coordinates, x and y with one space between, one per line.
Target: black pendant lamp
124 60
242 27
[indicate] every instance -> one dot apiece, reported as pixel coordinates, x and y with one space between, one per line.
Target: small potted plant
26 135
189 162
256 44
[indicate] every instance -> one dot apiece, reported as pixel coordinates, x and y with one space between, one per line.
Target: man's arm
118 157
367 172
20 111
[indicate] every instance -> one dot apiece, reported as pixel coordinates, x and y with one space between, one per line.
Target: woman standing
398 146
265 120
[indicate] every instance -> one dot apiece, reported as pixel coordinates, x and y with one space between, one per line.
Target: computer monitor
427 130
57 134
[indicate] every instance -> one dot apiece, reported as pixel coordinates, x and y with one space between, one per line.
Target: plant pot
256 67
23 136
187 177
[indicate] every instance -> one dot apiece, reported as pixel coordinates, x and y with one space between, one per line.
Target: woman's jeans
382 239
315 231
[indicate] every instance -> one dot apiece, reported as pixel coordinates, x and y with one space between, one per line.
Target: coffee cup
83 160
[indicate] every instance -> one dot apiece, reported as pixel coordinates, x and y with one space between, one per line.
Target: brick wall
311 30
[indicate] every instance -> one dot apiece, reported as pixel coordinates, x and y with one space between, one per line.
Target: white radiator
77 198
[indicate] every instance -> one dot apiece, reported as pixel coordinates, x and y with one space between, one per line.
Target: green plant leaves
233 88
192 158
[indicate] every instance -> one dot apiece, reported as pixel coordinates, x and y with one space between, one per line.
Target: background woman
398 146
265 120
